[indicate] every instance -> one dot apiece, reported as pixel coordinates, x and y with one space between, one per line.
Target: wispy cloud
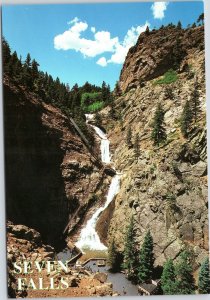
158 9
101 43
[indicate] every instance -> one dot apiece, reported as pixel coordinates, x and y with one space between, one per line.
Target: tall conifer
130 251
168 279
204 278
185 282
158 133
146 259
186 119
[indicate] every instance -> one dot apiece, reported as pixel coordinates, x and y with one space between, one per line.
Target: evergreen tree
6 55
195 102
112 257
204 278
179 25
117 89
128 137
201 19
28 60
129 262
193 25
186 119
158 133
104 93
168 279
146 259
98 119
185 281
136 146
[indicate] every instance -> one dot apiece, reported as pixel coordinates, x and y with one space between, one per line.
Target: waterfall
89 238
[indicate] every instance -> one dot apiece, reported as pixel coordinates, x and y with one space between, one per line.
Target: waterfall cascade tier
89 238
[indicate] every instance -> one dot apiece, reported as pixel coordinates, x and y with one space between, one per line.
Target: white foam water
89 238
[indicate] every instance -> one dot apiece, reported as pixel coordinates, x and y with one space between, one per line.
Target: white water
89 238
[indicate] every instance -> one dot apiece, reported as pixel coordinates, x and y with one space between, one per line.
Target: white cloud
72 40
75 20
102 42
93 29
102 62
158 9
130 40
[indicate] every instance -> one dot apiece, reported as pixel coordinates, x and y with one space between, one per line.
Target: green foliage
98 119
204 278
95 107
168 279
184 279
73 102
186 119
89 98
201 19
146 259
113 257
169 77
158 132
129 262
179 25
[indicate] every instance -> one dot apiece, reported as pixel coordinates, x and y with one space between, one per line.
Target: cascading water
89 238
105 155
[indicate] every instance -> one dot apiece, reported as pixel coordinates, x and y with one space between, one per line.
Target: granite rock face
165 188
50 174
155 52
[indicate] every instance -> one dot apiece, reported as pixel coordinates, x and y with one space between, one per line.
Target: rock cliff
165 188
50 174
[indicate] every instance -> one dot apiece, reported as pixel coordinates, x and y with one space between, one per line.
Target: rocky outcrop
156 52
51 177
165 188
25 244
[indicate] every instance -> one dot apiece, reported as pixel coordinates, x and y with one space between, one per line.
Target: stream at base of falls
89 239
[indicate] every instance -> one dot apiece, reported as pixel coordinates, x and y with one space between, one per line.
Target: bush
169 77
95 106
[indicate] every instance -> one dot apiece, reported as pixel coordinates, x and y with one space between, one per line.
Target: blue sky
87 42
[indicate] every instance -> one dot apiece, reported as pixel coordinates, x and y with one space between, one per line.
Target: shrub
169 77
95 106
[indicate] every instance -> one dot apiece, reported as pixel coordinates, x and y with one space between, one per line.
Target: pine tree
6 55
158 133
185 281
146 259
195 102
168 279
201 19
128 137
104 91
179 25
136 146
129 262
186 119
117 90
98 119
112 257
204 278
